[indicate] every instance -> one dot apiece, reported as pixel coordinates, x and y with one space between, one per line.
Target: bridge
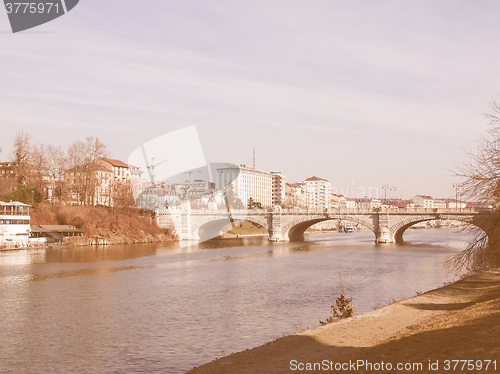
388 226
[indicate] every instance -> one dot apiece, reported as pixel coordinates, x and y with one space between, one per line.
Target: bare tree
482 172
75 176
122 195
96 150
7 179
84 163
21 154
481 183
56 166
97 185
38 172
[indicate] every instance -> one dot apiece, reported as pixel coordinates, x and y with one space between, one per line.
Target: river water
162 308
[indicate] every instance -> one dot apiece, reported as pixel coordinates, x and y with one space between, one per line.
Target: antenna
254 158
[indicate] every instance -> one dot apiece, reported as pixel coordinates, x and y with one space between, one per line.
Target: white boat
349 229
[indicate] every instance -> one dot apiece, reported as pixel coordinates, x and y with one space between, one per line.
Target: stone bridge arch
295 229
208 227
398 229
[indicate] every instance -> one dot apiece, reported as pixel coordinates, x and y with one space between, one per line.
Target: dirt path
444 324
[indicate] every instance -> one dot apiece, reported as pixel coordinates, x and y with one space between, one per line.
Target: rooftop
13 203
116 162
314 178
54 228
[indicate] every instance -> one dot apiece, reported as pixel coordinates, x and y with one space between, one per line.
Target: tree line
37 172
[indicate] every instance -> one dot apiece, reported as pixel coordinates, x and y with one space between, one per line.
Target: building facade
14 223
99 183
453 204
340 202
423 201
295 196
246 183
318 193
368 203
440 203
121 170
279 188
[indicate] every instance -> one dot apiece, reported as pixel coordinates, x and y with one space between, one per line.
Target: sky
362 93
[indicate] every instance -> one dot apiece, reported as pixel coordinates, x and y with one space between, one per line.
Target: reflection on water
64 274
162 308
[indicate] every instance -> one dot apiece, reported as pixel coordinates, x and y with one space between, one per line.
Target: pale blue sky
361 93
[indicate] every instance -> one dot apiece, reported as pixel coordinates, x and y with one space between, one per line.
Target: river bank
460 321
102 225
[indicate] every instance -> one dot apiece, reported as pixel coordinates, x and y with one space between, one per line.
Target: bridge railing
379 210
415 210
438 210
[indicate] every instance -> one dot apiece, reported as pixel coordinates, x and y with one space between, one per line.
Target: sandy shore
457 322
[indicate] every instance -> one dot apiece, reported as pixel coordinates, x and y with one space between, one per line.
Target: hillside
113 225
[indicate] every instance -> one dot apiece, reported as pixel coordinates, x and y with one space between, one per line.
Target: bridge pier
181 219
276 238
382 232
275 225
384 235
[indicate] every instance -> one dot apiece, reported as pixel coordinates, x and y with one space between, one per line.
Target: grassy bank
457 322
247 228
112 225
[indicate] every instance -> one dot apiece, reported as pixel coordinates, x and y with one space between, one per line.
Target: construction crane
150 166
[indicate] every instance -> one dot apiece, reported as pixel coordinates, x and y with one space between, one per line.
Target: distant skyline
359 93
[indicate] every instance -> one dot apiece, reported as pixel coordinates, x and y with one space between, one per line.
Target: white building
279 188
440 204
340 202
337 202
14 223
350 203
368 203
453 204
247 183
423 201
318 193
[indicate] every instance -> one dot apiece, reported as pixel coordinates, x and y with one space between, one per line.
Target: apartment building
98 183
318 193
247 183
279 188
121 171
295 196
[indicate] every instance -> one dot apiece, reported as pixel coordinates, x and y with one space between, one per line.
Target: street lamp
457 186
386 187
